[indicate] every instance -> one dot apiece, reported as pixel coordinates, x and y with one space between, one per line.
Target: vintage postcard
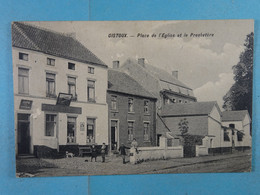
132 97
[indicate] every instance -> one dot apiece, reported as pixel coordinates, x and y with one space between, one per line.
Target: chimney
175 74
141 61
115 64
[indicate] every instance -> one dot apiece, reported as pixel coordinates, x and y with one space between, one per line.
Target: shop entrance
23 134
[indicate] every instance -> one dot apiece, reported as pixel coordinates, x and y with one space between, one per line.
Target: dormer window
71 66
90 70
50 61
23 56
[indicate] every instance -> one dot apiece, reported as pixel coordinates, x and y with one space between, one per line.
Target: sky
204 62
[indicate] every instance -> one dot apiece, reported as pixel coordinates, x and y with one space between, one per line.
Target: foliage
239 97
184 126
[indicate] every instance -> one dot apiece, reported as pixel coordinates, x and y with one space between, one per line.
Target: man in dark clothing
94 152
122 150
103 152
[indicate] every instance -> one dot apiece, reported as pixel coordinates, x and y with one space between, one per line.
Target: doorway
114 134
23 134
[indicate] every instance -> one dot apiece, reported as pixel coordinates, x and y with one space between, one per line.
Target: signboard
61 108
64 99
26 104
82 126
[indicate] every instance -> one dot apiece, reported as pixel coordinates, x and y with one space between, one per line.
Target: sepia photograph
132 97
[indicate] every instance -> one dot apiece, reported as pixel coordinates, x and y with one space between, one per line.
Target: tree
184 126
239 96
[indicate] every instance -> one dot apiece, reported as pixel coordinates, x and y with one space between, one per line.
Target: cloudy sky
204 63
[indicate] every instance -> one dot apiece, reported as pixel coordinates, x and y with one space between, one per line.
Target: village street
237 162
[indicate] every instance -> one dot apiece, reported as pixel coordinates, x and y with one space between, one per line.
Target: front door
23 134
114 133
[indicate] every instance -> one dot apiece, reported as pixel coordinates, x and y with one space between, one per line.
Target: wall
138 116
201 150
37 93
214 128
198 125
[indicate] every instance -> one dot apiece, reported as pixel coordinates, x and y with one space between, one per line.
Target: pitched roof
193 108
237 115
122 83
53 43
158 73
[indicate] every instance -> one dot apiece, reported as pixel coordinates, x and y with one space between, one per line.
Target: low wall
201 150
154 153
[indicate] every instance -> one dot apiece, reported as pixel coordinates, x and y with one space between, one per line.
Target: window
113 103
146 106
90 130
146 131
71 66
23 80
91 90
185 101
72 87
239 136
50 126
91 70
71 130
173 100
130 105
23 56
226 136
130 130
50 61
50 85
180 101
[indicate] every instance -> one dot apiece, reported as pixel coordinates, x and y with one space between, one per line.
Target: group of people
122 150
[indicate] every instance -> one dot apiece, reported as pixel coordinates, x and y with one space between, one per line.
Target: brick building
131 111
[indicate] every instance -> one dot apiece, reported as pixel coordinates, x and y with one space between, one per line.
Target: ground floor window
71 130
50 126
239 136
226 136
130 130
146 131
91 130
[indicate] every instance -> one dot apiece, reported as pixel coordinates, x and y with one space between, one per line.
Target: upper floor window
90 70
50 126
130 105
72 87
50 85
23 56
71 66
146 106
91 90
23 80
50 61
113 102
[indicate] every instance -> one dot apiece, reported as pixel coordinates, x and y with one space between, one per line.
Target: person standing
94 152
103 152
134 144
122 150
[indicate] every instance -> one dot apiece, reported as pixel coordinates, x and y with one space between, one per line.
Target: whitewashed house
237 128
49 70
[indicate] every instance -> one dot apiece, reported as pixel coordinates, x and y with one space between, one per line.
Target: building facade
59 92
131 111
166 87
